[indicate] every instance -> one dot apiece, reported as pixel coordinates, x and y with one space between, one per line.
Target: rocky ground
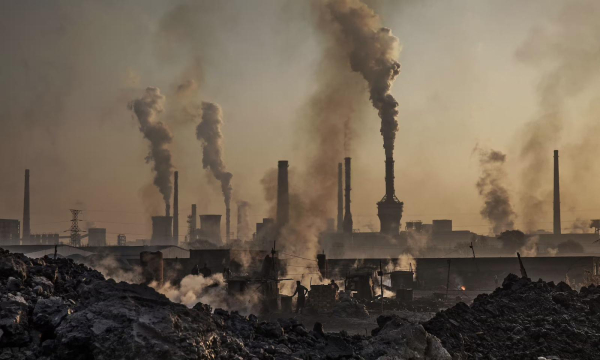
523 319
56 309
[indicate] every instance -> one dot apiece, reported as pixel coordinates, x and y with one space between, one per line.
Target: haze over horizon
473 74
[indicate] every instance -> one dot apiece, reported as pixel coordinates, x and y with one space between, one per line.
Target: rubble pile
395 338
523 320
55 309
350 307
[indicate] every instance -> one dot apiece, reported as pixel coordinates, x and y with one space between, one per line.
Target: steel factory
299 180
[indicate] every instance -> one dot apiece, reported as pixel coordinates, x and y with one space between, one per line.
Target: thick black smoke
209 133
146 110
497 208
372 52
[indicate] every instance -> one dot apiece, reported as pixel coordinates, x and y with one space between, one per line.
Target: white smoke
210 290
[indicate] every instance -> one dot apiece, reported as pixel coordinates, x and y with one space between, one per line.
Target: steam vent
389 209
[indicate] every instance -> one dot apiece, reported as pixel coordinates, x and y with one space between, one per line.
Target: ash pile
55 309
523 320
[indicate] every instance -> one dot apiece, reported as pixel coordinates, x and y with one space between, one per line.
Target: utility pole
75 236
474 259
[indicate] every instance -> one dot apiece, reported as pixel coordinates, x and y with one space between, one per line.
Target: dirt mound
55 309
523 320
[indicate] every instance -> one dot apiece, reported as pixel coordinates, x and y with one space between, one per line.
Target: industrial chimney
193 225
227 224
340 214
556 196
283 195
176 209
389 208
26 212
348 215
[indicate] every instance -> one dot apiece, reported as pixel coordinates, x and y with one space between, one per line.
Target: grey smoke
209 133
569 48
497 208
372 52
146 109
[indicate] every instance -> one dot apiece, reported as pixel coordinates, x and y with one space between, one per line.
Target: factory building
10 232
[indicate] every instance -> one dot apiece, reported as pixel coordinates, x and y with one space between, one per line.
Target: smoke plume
570 50
497 208
146 109
209 133
373 52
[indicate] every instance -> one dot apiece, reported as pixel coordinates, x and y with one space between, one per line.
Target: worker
205 271
335 286
301 291
196 270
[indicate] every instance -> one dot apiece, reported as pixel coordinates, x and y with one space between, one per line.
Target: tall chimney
193 226
390 208
556 195
389 178
283 195
227 224
348 215
340 214
176 209
26 212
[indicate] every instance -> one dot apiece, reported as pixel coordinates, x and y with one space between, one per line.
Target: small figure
226 273
301 291
335 286
205 271
196 270
496 280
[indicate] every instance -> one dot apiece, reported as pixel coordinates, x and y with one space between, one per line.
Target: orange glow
463 288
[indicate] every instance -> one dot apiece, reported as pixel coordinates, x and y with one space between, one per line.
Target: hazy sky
68 70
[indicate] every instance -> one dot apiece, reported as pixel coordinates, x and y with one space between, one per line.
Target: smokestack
348 224
389 208
26 212
227 224
556 196
176 209
283 195
389 178
340 215
193 226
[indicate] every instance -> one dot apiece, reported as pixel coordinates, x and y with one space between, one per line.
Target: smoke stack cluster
340 214
176 209
209 133
283 194
557 229
26 210
146 109
348 223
